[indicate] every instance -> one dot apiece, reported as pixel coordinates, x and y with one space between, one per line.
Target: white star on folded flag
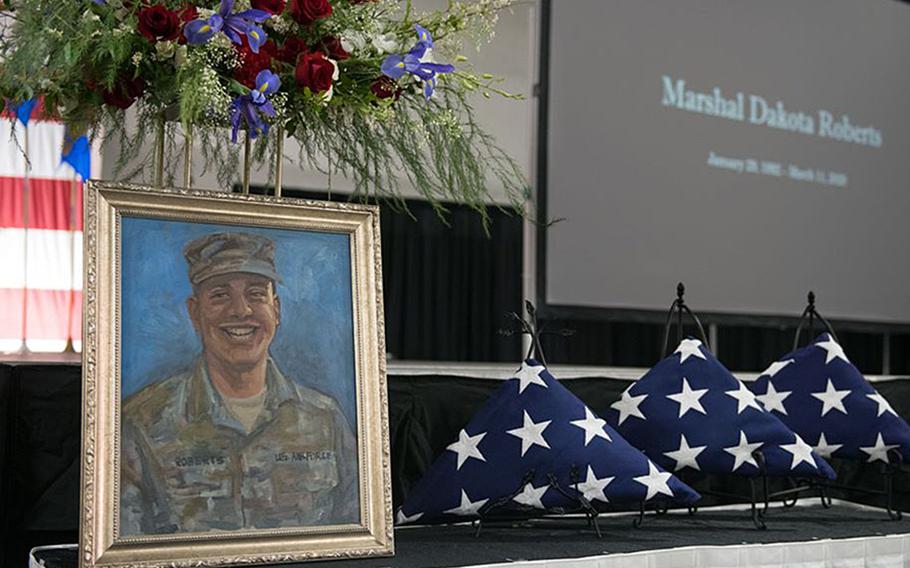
883 405
802 452
593 488
529 375
685 456
402 519
627 406
744 398
688 348
467 508
832 399
742 452
531 496
531 433
593 427
688 399
655 481
775 367
466 447
834 350
879 452
824 449
773 400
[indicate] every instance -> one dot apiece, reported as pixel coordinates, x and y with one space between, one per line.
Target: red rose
308 11
384 87
271 6
186 14
124 93
292 47
253 63
314 71
331 46
158 23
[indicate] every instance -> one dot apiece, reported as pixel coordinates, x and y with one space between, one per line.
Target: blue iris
251 106
234 26
423 36
255 36
418 62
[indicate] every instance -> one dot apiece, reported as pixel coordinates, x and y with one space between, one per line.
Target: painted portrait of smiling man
239 412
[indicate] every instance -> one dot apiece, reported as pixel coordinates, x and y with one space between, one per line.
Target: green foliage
75 54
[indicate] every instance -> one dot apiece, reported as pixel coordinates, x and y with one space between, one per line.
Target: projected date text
796 172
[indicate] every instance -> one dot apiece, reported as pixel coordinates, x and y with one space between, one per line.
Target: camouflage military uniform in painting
188 465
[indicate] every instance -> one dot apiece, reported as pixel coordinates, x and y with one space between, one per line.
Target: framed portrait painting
234 380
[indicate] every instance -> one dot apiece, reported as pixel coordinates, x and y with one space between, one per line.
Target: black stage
446 546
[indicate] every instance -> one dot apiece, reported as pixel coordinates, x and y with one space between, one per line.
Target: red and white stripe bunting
40 240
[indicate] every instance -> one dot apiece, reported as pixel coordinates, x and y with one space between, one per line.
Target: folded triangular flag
822 396
689 411
535 445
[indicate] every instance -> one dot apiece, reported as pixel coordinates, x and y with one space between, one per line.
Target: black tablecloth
542 539
40 413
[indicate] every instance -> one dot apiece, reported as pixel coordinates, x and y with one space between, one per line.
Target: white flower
180 56
385 43
327 96
165 50
352 40
220 40
136 58
279 24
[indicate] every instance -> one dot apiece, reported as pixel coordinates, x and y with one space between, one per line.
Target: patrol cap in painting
224 253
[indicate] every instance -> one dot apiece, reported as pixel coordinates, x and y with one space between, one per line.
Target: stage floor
543 539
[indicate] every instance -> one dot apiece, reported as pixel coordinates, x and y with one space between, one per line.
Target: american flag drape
40 237
822 396
535 445
689 411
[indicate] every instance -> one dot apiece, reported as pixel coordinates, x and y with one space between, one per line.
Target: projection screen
753 150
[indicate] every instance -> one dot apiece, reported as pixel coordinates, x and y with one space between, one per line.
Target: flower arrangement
356 82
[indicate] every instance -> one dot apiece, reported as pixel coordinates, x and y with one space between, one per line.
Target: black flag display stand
531 327
758 486
680 309
888 471
580 504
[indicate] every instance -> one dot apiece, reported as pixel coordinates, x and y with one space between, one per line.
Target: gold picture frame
171 478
